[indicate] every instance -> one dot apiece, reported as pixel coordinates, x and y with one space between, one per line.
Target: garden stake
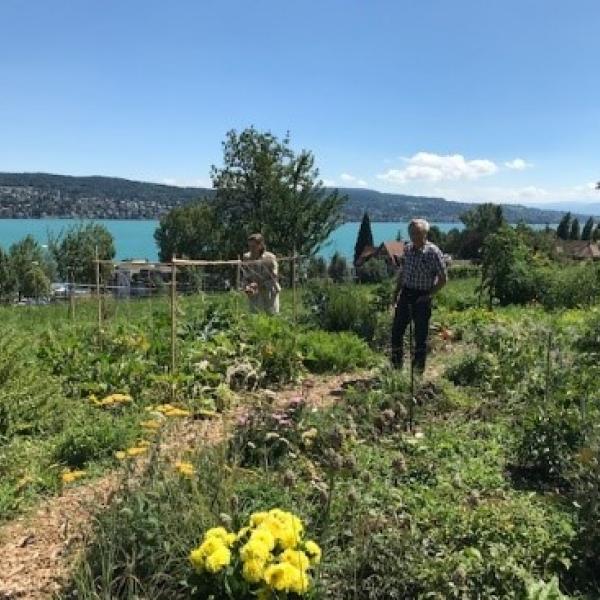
412 369
173 324
549 346
294 286
98 291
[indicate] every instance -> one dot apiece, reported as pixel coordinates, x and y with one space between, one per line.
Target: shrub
94 436
548 438
373 271
325 352
473 369
341 308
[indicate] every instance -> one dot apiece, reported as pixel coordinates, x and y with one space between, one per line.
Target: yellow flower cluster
185 468
150 425
111 400
169 410
71 476
273 555
138 450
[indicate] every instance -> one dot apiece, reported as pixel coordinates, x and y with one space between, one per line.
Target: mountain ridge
40 195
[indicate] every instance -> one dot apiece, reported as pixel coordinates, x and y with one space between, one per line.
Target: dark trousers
409 309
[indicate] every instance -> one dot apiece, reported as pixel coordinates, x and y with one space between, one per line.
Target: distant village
34 203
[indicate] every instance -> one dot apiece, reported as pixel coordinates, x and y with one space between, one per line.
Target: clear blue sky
472 99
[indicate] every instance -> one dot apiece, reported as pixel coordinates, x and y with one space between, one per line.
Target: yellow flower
112 399
71 476
283 577
218 560
314 552
210 545
185 468
197 559
136 450
257 518
120 455
253 570
264 536
242 532
254 550
151 424
222 534
296 558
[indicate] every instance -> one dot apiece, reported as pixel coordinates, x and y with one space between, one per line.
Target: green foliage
588 229
317 268
549 435
564 227
265 186
505 268
338 269
364 238
575 232
75 250
374 270
32 268
341 308
473 369
189 231
324 352
95 436
7 278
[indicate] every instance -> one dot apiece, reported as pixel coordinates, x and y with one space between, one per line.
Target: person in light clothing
423 274
260 276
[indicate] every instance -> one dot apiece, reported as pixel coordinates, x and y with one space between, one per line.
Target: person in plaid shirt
423 274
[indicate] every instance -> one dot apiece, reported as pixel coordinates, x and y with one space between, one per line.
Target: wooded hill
39 195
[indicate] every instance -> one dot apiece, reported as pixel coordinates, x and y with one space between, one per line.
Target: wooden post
99 298
294 290
238 284
72 296
173 321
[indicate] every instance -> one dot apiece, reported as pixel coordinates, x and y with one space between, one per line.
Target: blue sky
469 99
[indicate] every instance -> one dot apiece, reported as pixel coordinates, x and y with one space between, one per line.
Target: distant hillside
39 195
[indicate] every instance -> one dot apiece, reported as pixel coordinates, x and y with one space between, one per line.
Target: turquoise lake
134 239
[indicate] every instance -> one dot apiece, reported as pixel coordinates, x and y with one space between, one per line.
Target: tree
480 222
575 232
190 231
7 280
264 186
338 268
364 238
506 273
374 270
317 268
596 234
31 267
564 227
74 251
588 229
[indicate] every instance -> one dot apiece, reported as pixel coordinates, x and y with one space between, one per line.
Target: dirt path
38 550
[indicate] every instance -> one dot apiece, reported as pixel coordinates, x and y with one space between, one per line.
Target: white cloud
426 166
329 182
586 188
518 164
199 182
352 180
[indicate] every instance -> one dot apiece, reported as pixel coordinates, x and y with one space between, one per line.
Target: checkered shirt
422 267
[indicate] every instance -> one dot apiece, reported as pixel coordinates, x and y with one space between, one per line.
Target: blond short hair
420 224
